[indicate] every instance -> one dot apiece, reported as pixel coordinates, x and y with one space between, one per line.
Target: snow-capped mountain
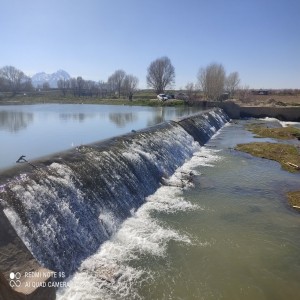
40 78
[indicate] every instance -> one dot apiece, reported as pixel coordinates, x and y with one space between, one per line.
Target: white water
227 237
282 123
65 217
108 274
97 191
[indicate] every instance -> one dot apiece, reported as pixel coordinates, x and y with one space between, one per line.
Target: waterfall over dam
65 206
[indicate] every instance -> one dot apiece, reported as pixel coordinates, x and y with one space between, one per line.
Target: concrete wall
15 257
234 111
281 113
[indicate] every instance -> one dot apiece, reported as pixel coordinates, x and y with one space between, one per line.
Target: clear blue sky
92 38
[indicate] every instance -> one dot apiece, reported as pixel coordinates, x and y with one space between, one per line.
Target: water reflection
167 113
57 127
121 119
13 121
80 117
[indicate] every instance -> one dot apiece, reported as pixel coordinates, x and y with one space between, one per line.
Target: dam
57 211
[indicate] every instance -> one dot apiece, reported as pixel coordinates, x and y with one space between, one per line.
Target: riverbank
287 155
106 180
232 221
140 98
235 109
88 100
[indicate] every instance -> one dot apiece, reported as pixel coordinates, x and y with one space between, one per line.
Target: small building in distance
260 92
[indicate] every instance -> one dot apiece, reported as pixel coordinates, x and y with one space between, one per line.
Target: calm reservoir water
38 130
229 235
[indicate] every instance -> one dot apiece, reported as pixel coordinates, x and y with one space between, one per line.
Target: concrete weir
66 205
234 111
16 262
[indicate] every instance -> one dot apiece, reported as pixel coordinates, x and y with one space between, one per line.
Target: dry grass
294 199
270 100
286 155
282 133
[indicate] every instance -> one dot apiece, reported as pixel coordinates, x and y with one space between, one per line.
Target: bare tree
111 87
211 80
190 90
103 88
26 84
46 86
244 94
4 86
116 80
231 83
73 86
80 83
161 74
130 84
63 85
91 87
12 77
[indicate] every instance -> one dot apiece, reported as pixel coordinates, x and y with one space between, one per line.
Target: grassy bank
141 98
283 133
271 100
287 155
294 199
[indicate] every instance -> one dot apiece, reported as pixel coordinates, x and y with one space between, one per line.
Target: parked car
162 97
170 96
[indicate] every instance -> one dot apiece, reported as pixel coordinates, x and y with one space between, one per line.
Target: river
39 130
219 228
228 235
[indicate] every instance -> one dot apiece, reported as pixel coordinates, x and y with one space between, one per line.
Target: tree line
212 81
14 80
118 84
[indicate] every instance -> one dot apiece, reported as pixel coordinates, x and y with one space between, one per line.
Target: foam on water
288 123
108 274
66 211
282 123
269 119
73 203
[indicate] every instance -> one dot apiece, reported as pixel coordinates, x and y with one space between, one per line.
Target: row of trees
211 80
161 75
123 83
119 83
13 80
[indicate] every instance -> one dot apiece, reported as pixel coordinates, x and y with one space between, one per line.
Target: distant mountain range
39 79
